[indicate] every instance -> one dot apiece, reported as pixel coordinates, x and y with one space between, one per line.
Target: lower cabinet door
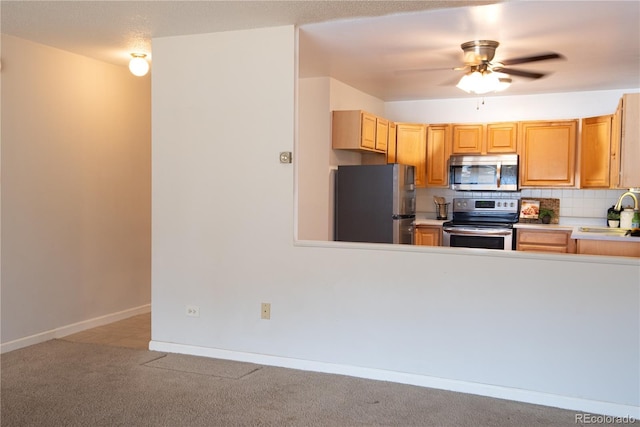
556 241
428 236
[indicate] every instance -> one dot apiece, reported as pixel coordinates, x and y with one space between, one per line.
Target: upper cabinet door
548 153
411 148
468 139
382 134
629 141
369 130
492 138
391 145
438 147
595 152
502 138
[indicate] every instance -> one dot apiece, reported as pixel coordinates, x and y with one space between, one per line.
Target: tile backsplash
573 202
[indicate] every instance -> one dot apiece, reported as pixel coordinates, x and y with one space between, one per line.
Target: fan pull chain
479 103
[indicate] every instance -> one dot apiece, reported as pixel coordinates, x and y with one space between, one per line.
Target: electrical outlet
265 311
192 310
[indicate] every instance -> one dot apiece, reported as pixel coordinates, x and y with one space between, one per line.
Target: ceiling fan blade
450 82
525 59
520 73
422 70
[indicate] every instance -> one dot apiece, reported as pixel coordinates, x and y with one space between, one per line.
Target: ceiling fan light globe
482 82
465 83
488 82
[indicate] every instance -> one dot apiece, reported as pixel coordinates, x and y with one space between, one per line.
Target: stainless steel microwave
484 173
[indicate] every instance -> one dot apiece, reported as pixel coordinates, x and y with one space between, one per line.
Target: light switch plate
285 157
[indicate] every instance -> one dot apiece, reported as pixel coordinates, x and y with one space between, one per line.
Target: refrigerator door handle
403 216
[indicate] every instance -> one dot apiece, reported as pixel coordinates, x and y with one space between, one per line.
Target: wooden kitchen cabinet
625 147
502 138
547 153
411 149
428 235
608 248
391 145
467 139
491 138
357 130
382 134
438 151
536 240
595 152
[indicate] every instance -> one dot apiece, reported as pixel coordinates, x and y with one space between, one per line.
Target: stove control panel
486 205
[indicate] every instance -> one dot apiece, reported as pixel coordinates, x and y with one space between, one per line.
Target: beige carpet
62 383
203 366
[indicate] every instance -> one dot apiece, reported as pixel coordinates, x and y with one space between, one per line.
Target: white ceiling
395 50
411 56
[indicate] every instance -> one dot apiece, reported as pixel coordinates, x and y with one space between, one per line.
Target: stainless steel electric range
482 223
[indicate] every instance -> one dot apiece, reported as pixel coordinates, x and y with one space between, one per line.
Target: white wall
76 178
312 161
315 160
487 109
554 330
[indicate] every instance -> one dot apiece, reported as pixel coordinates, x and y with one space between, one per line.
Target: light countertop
428 218
573 224
544 226
599 232
581 233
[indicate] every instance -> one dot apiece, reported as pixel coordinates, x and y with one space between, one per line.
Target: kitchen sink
604 230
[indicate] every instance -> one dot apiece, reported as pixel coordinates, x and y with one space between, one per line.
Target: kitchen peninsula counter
601 240
578 231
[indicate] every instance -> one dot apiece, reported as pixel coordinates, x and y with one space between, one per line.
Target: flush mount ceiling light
479 80
138 64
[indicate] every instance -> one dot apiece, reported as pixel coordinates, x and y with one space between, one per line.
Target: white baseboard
63 331
581 406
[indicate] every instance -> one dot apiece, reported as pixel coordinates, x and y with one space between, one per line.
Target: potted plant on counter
545 215
613 217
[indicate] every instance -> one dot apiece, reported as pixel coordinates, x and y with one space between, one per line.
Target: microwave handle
498 173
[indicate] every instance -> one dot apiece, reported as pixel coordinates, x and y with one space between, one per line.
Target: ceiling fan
478 55
481 77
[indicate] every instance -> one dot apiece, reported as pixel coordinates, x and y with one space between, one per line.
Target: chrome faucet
633 196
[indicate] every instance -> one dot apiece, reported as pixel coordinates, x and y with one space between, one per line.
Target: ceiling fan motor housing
477 52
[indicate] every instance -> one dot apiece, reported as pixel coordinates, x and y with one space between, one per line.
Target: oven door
483 238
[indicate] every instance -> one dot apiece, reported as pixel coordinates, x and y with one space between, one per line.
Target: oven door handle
484 232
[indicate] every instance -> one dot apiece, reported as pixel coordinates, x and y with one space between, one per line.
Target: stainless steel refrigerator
375 203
